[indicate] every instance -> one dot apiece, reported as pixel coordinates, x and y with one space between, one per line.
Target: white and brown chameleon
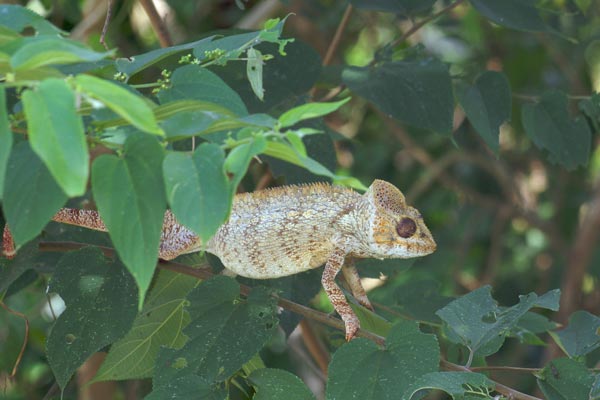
286 230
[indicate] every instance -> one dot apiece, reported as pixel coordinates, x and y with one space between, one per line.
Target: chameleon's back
282 231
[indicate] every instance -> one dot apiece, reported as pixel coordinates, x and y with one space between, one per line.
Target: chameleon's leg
176 239
335 294
353 280
89 219
8 244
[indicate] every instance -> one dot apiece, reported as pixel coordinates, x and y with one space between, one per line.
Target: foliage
487 96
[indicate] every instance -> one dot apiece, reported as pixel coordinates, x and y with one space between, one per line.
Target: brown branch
315 346
157 23
24 345
335 42
582 250
416 27
496 245
205 273
504 368
106 22
500 388
337 37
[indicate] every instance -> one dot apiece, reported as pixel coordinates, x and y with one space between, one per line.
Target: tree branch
24 345
206 273
157 23
335 42
416 27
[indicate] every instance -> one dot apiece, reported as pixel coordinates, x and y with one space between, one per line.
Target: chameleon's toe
352 326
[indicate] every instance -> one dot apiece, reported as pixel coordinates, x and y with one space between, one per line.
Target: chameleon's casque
287 230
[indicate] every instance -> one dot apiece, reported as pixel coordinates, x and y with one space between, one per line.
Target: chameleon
285 230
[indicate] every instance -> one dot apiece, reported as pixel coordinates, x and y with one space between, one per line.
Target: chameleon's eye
406 227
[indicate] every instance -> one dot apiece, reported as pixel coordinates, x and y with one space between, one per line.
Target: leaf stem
24 345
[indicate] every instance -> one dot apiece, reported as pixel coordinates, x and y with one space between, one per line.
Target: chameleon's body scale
286 230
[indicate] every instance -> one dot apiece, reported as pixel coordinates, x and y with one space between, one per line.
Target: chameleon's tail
86 218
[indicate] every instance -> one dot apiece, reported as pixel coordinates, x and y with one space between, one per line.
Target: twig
504 368
258 13
335 42
106 21
157 23
315 346
500 388
24 345
424 22
581 253
264 180
496 245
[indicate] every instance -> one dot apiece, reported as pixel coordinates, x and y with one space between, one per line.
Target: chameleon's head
396 229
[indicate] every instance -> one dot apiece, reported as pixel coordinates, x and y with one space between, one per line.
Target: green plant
185 126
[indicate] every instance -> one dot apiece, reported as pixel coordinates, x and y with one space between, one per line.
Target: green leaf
421 299
189 387
487 104
565 379
101 305
42 51
130 196
17 18
6 139
478 321
31 195
516 14
404 7
456 384
24 261
286 152
581 336
192 82
132 65
56 134
160 323
549 300
548 124
595 391
408 355
239 158
254 71
224 333
285 79
198 189
418 93
591 109
181 117
123 102
308 111
271 383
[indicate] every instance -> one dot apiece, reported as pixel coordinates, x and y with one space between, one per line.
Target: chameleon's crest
397 230
386 196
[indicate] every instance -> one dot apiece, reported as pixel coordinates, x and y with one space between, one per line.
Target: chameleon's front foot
335 294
